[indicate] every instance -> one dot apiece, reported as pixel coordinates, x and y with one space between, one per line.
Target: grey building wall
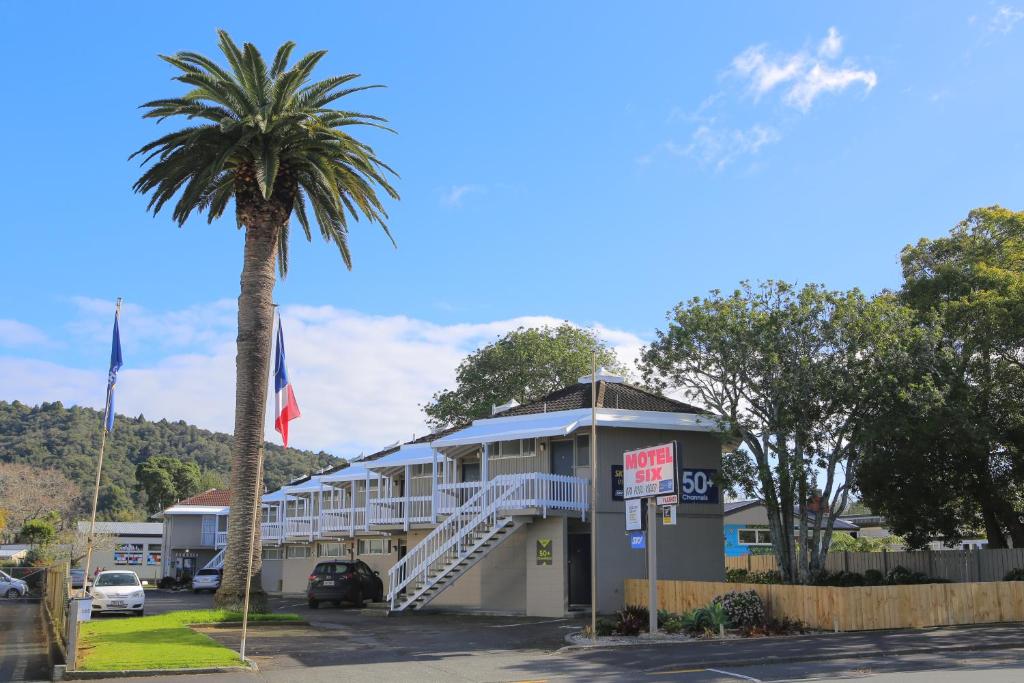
692 549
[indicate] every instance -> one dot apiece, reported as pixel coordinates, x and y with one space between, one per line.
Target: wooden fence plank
856 608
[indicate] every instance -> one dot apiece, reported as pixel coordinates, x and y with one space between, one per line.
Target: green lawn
159 642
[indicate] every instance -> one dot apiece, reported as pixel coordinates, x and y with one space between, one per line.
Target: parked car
118 591
344 580
206 580
77 578
11 587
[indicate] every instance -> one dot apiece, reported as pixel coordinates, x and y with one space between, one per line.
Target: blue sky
558 161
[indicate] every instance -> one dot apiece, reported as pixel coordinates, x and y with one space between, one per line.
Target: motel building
494 516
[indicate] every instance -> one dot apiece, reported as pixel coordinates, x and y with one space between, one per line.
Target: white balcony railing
344 520
272 532
221 539
308 527
451 497
393 511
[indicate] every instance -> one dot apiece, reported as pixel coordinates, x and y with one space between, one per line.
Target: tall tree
167 480
268 139
524 365
34 492
792 374
954 464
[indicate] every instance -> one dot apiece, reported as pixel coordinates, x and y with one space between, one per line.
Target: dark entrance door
579 569
561 458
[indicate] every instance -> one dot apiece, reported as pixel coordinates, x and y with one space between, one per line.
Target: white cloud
359 379
15 333
719 147
1005 19
831 45
453 196
804 76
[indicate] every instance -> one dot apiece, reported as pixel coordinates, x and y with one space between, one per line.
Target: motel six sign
649 472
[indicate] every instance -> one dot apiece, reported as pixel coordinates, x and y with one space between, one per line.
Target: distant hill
68 439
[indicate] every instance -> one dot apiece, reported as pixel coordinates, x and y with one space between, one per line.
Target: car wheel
12 593
196 591
313 604
140 612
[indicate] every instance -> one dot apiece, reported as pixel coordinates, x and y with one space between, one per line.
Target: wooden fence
56 591
963 566
858 608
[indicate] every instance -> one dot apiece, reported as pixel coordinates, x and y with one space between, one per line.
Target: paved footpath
23 644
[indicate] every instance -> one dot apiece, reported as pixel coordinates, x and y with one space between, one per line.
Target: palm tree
268 139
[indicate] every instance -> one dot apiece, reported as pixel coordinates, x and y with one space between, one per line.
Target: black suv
348 580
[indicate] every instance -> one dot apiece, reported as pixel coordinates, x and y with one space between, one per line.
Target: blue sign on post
637 540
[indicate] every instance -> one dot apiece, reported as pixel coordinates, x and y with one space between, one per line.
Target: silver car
206 580
11 587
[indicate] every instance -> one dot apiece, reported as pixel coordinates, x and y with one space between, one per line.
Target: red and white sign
649 472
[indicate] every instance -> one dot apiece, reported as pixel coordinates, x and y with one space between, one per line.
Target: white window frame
290 555
271 552
757 536
367 546
324 547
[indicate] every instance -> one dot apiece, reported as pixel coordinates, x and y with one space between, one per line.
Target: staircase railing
452 540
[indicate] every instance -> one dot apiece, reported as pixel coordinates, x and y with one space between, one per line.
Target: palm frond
261 124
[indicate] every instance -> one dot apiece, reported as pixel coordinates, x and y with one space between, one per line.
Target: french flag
286 409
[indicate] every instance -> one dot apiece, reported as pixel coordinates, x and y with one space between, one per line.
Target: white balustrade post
484 457
406 488
433 488
352 509
366 498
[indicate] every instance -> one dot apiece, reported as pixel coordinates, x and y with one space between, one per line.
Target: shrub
605 627
674 624
1014 575
632 620
873 577
737 576
901 576
765 577
824 577
743 610
663 616
717 615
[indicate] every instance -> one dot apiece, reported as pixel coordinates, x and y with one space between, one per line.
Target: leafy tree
35 492
167 480
268 139
955 463
38 532
793 375
524 365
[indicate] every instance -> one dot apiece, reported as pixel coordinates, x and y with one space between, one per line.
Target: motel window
329 550
583 450
374 546
271 553
298 551
754 537
470 471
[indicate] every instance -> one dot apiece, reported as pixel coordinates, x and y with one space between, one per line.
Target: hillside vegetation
68 439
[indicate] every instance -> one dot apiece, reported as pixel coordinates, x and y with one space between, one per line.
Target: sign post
650 473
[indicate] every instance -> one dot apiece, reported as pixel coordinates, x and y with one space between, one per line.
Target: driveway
23 645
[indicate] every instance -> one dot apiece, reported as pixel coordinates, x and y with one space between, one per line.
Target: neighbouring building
746 529
494 515
135 545
14 552
874 526
195 530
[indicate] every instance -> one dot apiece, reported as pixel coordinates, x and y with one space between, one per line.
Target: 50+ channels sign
649 472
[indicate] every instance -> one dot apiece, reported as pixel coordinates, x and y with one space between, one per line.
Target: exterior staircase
217 561
470 532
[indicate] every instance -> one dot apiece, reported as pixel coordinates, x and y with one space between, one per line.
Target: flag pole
593 498
99 470
256 511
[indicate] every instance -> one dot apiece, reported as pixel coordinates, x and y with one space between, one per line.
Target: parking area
23 643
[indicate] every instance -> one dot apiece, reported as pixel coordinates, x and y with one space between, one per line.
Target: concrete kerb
732 660
134 673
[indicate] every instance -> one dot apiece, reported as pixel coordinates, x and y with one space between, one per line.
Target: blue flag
115 365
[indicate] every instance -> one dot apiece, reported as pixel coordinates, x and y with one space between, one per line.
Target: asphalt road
23 644
348 644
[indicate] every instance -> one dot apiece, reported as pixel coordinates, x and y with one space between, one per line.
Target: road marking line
736 675
676 671
532 623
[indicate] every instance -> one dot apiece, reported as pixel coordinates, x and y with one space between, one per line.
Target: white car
118 591
206 580
11 587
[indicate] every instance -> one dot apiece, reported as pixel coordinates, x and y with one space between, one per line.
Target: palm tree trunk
252 366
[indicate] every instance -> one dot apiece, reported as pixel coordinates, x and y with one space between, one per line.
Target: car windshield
119 579
207 572
334 568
